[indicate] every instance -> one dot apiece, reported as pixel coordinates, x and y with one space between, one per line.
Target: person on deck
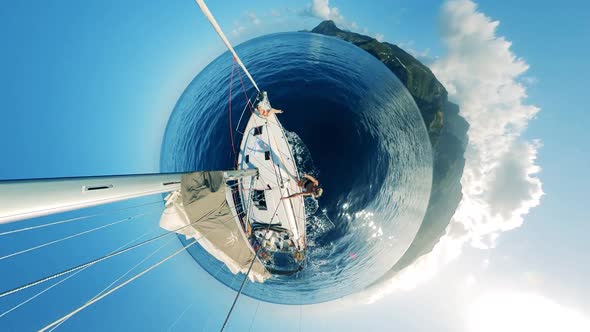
264 108
309 187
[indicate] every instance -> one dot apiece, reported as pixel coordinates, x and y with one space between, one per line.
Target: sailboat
268 232
245 217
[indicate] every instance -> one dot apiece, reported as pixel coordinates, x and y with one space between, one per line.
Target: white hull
269 152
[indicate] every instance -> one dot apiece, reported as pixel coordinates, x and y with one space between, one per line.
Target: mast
24 199
213 22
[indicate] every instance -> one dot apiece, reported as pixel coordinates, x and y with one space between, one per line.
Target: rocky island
446 128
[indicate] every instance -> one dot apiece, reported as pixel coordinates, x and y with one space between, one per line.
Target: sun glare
515 311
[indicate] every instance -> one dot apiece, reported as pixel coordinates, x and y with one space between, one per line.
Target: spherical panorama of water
351 124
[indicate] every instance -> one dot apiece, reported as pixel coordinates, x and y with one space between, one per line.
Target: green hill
446 128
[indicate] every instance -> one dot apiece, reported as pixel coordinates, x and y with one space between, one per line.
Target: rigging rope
215 25
254 316
248 105
179 317
95 261
82 267
231 309
64 279
71 236
74 219
300 317
231 133
135 266
253 258
119 278
89 303
248 102
244 90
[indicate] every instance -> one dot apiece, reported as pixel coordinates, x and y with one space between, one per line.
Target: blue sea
351 124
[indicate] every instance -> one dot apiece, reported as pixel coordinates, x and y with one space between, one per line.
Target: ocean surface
351 124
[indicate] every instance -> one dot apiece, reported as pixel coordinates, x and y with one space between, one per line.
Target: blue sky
87 89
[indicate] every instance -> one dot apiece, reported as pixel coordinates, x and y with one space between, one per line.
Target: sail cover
202 206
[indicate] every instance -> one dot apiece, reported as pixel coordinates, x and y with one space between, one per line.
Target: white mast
213 22
24 199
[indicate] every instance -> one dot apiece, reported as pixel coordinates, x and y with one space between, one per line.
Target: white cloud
499 181
321 9
253 18
420 55
409 47
485 264
241 26
238 30
517 311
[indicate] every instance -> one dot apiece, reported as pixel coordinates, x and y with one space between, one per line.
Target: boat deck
265 147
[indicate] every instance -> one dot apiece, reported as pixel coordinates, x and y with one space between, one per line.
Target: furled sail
202 203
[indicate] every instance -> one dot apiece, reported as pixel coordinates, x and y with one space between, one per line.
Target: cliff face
429 94
446 128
